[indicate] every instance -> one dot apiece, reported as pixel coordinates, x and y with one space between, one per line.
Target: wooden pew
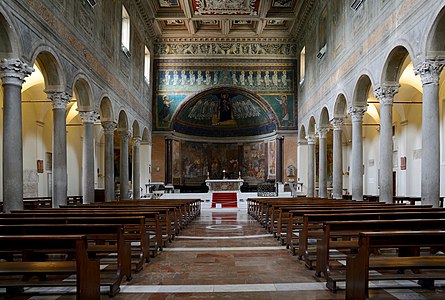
134 230
408 243
99 237
309 255
85 268
343 237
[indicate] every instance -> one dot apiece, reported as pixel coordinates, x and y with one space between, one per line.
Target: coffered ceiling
226 18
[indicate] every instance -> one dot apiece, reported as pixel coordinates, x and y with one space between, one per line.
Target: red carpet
225 199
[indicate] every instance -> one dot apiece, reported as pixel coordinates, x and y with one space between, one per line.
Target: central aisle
225 254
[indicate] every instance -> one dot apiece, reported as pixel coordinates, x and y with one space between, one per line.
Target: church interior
222 149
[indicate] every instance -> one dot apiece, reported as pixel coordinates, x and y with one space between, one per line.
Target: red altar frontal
224 192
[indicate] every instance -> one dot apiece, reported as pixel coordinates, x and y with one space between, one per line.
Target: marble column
136 168
124 135
168 160
429 72
60 173
337 168
279 159
322 163
88 118
385 94
109 160
311 166
357 152
13 73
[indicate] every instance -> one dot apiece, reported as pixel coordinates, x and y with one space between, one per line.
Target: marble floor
225 254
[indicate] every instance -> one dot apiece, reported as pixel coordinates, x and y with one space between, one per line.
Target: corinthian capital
137 141
385 93
357 113
337 123
310 139
88 116
59 99
14 71
322 132
109 127
429 70
124 134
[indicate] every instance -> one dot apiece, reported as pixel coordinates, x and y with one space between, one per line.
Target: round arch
9 45
49 64
361 91
340 106
106 110
84 94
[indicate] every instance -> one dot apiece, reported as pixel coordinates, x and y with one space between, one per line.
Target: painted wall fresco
193 162
272 80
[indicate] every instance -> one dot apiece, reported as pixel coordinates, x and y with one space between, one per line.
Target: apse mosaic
224 114
181 106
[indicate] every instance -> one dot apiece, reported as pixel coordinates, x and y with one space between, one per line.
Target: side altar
224 192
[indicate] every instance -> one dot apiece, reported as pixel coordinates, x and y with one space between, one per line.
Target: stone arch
435 46
122 123
302 134
9 45
106 110
361 91
136 129
392 69
50 66
146 137
340 106
311 128
324 118
84 94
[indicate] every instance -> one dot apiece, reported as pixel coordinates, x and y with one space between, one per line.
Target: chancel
222 149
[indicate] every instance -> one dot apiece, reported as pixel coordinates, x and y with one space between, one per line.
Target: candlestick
239 174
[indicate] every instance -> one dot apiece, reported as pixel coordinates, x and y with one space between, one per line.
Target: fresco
203 160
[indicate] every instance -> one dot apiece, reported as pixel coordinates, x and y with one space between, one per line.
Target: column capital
59 99
322 132
109 127
337 123
429 70
88 116
137 140
124 134
310 140
385 93
357 113
13 71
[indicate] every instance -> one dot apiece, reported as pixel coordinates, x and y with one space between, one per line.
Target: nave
226 254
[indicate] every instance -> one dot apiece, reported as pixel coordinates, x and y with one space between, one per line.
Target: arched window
302 64
125 31
147 64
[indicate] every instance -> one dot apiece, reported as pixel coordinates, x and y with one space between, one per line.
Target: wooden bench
312 227
86 269
104 240
134 230
408 242
342 237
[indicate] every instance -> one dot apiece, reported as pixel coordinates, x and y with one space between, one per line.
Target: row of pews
343 240
101 243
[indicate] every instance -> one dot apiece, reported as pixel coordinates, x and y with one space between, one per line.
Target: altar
224 192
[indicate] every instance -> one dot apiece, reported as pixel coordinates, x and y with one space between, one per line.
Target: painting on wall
271 159
194 162
282 104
